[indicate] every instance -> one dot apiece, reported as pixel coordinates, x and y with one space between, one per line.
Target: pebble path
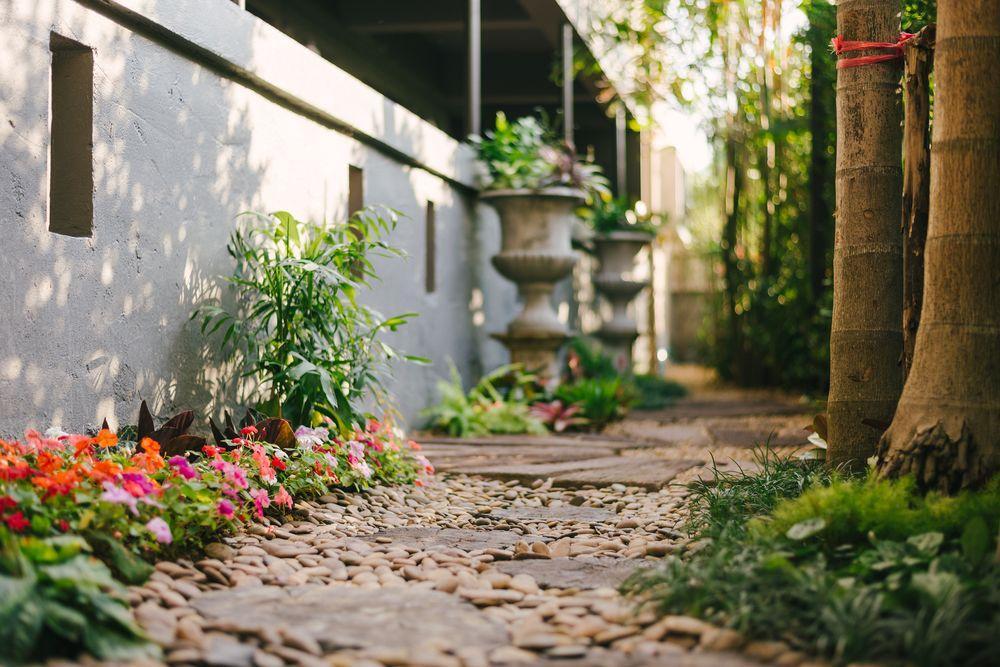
467 571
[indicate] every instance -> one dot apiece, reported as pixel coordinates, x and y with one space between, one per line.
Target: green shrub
849 511
656 392
587 360
853 569
298 327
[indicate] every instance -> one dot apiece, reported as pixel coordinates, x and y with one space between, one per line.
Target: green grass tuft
852 569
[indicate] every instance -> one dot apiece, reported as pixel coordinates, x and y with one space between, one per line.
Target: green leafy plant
601 400
56 599
298 327
485 409
851 568
605 214
526 154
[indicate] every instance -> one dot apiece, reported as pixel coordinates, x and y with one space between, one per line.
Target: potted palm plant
621 230
535 184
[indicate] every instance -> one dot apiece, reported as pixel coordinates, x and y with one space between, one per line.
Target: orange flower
150 460
105 470
106 438
57 483
47 462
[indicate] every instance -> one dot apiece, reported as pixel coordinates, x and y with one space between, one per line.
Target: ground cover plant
297 326
852 568
498 403
66 498
511 401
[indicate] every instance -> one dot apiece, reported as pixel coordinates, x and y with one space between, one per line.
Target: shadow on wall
96 323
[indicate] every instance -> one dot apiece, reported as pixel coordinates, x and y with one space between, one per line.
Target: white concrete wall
217 114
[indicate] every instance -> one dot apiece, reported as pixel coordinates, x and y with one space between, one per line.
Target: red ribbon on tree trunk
841 45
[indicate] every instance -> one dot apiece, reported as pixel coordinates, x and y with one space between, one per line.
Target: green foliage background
770 109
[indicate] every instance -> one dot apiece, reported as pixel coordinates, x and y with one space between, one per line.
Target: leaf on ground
806 529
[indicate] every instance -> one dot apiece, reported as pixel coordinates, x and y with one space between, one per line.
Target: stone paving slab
430 538
649 473
581 572
753 437
341 616
695 408
680 659
564 440
456 457
562 513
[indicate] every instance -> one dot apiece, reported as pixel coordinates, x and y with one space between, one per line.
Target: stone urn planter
616 252
535 254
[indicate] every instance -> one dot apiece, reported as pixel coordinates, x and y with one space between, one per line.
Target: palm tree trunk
866 333
946 431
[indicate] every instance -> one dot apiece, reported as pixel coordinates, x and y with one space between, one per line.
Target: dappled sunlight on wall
182 144
101 322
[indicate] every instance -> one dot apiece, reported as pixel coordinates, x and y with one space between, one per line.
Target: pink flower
184 468
225 509
160 529
234 474
248 430
424 463
264 464
260 501
283 498
119 496
356 449
311 437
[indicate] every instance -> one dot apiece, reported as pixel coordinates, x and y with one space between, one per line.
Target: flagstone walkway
511 556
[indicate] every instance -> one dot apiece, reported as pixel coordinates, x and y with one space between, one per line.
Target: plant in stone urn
621 231
535 184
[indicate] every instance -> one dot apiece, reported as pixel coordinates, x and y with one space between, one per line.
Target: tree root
937 461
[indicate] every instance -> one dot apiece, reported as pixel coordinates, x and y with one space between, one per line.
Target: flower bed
66 496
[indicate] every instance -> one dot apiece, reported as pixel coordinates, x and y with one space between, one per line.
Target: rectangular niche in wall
430 249
71 142
355 189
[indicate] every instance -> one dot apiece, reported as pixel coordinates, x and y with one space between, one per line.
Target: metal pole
567 91
475 67
620 149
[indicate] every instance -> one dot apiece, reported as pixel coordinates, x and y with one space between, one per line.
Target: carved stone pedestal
535 254
616 253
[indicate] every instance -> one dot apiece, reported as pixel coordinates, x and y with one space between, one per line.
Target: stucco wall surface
184 140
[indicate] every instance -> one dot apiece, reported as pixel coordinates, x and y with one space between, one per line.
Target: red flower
278 463
63 525
6 503
248 430
17 522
